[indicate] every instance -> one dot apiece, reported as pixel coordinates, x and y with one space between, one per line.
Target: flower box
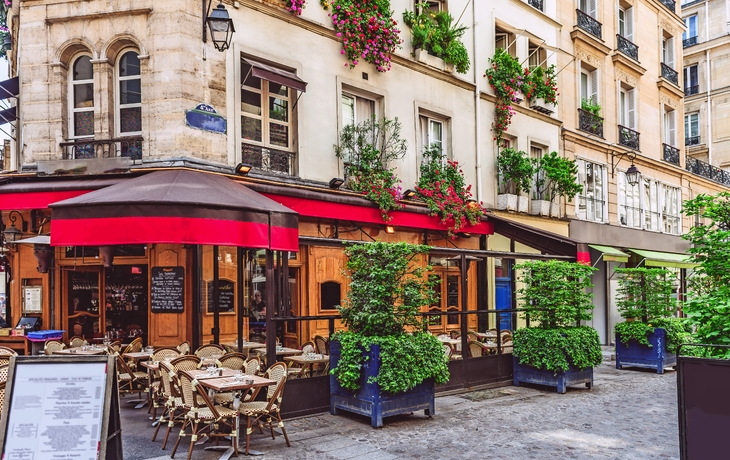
540 207
369 399
524 373
509 202
555 210
635 354
433 61
542 106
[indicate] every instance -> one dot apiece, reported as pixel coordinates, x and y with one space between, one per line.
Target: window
432 132
691 24
670 209
670 123
536 153
129 100
588 7
434 6
629 202
589 85
691 82
692 129
651 193
626 23
536 56
592 200
627 107
668 52
356 109
505 41
266 112
82 94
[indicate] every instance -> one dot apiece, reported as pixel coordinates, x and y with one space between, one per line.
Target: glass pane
130 120
125 305
452 301
275 88
278 135
83 305
583 86
279 109
130 91
84 123
83 95
251 102
249 80
330 295
83 70
436 135
129 64
251 129
348 110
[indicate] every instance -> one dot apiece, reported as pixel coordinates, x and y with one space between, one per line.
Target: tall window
670 209
129 102
536 56
589 85
651 191
535 154
504 40
592 200
629 202
266 112
668 51
691 24
588 7
432 132
626 23
692 129
82 93
627 108
356 109
670 123
691 82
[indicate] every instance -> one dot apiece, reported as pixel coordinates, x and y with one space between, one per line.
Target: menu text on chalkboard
167 289
226 295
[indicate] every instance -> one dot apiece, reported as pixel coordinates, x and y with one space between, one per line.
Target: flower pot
524 373
542 106
433 61
507 202
522 204
555 210
540 208
635 354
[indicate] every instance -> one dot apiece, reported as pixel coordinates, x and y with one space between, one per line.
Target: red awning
40 193
175 206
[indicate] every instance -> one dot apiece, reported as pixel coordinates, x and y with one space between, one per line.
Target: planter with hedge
514 172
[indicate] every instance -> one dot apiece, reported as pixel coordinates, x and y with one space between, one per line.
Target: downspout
477 105
709 107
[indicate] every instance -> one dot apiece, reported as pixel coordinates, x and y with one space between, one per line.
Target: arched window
129 96
82 94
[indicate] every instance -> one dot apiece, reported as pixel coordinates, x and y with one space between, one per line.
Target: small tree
515 171
645 294
556 176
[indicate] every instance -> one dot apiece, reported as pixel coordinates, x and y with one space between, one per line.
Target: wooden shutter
671 128
594 86
669 52
631 109
592 10
629 25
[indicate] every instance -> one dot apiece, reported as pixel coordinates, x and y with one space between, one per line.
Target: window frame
688 27
625 114
669 123
355 96
687 76
72 110
688 124
598 168
425 123
636 205
118 106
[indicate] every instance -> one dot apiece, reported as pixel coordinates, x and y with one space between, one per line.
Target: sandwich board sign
61 408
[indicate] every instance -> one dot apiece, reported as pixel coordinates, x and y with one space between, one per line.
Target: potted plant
556 352
367 148
541 89
506 77
650 335
434 34
555 176
514 173
385 364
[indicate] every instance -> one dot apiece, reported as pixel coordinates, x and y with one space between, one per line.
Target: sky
3 77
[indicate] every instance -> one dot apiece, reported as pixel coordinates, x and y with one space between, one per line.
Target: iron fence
590 123
670 4
628 137
691 41
692 140
627 47
690 90
670 154
670 74
129 147
535 4
589 24
268 159
706 170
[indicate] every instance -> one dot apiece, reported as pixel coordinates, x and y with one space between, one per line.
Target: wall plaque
206 118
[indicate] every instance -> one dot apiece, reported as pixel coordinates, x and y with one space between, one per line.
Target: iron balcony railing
670 74
692 140
79 149
691 41
590 123
267 159
670 4
626 47
589 24
535 4
708 171
690 90
670 154
628 137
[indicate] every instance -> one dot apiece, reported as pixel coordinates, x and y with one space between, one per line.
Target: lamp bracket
631 156
13 219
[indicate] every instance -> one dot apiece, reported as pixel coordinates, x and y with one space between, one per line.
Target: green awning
611 254
664 259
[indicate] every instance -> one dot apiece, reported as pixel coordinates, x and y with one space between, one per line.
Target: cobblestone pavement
627 415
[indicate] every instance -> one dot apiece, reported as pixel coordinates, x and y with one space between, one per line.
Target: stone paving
627 415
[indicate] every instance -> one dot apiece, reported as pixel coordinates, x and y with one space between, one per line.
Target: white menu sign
56 411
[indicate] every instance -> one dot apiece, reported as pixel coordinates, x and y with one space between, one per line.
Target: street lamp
12 234
633 175
220 25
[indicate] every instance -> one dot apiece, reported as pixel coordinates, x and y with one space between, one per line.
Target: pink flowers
294 6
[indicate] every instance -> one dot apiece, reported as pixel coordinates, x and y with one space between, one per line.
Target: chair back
322 345
123 367
4 373
448 350
210 350
471 335
185 363
166 371
308 347
52 346
252 365
184 348
235 361
2 397
476 349
161 354
136 345
187 389
455 334
77 341
277 373
5 351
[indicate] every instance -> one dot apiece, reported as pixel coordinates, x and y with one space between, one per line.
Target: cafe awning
611 254
664 259
38 194
275 75
175 206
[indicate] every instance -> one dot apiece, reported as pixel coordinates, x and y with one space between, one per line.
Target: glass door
82 304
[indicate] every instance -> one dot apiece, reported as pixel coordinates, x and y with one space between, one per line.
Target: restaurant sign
167 289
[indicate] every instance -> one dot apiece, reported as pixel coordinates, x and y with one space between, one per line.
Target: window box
540 207
509 202
542 106
433 61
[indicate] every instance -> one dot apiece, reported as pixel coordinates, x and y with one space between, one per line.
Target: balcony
267 159
122 147
706 170
627 48
670 74
590 123
691 41
535 4
690 90
670 4
670 154
589 24
628 137
692 140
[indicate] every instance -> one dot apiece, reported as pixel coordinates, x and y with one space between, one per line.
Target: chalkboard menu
167 289
226 294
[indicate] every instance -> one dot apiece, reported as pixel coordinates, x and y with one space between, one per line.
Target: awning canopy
9 88
8 115
175 206
279 76
40 239
611 254
664 259
38 194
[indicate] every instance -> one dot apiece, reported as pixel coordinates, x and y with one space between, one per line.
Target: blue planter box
639 355
369 400
524 373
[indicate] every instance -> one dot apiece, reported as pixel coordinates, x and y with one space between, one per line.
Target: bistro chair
159 355
173 401
322 344
209 351
256 411
471 335
130 381
77 341
455 334
184 348
165 353
4 368
204 416
477 348
448 351
52 346
234 360
252 366
308 347
507 345
5 354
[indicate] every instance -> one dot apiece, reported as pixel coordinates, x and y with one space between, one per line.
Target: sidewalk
627 415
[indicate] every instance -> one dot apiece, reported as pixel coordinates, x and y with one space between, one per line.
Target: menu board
226 295
59 409
167 289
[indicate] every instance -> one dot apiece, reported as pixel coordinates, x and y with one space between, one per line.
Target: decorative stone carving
626 78
668 27
589 58
666 100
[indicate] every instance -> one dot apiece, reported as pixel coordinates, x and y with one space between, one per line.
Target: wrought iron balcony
589 24
535 4
708 171
626 47
670 154
690 90
628 137
670 74
267 159
670 4
81 149
590 123
692 140
691 41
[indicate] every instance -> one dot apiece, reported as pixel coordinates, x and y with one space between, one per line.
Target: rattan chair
309 347
454 334
507 346
184 348
209 351
52 346
174 408
155 385
477 348
471 335
5 354
448 351
322 345
165 354
235 361
130 381
77 341
253 366
255 411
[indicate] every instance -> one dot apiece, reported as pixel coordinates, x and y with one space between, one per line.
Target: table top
245 345
202 374
303 359
136 355
80 351
451 341
280 351
153 366
230 383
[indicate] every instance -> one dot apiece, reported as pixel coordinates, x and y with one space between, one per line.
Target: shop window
330 295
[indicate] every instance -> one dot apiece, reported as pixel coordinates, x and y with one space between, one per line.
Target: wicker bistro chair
210 350
184 348
52 346
255 411
5 354
234 360
308 347
77 341
130 381
322 345
4 368
507 345
204 411
156 396
477 348
174 409
253 366
448 351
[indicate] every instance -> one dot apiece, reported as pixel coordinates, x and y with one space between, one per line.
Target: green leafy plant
367 148
505 76
541 83
590 106
515 171
387 290
555 295
443 188
436 34
556 176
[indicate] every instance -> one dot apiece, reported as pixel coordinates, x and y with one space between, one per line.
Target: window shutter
631 109
671 128
592 9
594 86
629 25
669 53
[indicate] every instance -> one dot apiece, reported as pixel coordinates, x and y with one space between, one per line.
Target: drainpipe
709 107
477 105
